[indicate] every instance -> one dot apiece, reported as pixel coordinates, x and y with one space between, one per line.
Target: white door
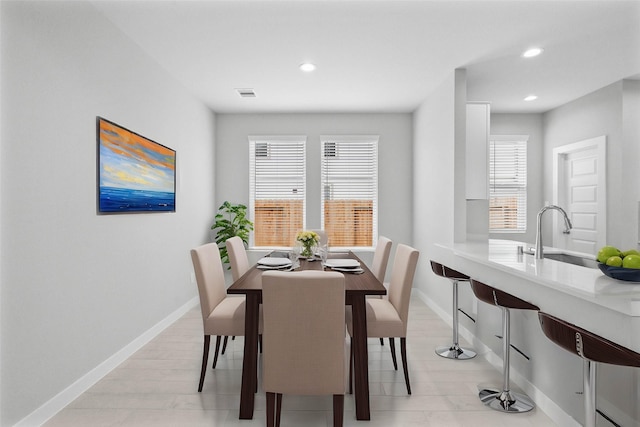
580 188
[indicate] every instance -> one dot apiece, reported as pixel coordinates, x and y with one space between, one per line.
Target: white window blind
277 189
508 184
350 190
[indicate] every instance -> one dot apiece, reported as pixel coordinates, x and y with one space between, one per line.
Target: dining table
357 287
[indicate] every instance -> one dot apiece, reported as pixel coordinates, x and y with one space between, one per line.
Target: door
580 188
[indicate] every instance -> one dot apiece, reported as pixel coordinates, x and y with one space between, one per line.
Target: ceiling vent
246 93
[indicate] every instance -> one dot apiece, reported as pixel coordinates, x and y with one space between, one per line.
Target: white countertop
587 284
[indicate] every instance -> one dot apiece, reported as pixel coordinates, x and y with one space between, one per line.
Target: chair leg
271 404
403 354
381 341
392 345
351 367
205 359
278 408
224 344
338 410
260 342
215 356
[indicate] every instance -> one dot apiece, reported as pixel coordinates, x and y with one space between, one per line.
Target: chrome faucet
567 224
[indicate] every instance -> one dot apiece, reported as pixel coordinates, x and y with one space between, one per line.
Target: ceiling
383 56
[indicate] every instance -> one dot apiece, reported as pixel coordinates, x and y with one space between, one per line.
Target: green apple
631 261
607 252
630 252
614 261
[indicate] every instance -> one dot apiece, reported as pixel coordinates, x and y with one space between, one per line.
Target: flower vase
307 249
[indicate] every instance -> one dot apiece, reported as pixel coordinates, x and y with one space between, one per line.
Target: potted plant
231 220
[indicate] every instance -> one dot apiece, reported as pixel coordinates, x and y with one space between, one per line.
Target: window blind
508 184
277 189
349 175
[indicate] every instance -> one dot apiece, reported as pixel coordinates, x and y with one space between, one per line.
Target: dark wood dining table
357 287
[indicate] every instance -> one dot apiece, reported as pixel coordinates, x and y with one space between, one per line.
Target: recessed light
531 98
534 51
307 67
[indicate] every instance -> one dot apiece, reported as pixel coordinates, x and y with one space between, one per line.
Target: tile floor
157 386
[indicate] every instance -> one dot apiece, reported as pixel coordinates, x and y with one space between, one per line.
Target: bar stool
453 351
505 400
593 349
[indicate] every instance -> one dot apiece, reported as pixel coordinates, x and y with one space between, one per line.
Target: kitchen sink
573 259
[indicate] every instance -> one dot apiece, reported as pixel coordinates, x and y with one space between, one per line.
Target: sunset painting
135 174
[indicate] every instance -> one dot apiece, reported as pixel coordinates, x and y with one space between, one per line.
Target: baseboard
542 401
68 395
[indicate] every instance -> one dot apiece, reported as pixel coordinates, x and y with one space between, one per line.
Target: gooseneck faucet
567 224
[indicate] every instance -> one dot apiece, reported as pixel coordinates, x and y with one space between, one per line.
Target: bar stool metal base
455 352
506 401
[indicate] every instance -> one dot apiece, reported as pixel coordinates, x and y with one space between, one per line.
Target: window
350 190
277 189
508 184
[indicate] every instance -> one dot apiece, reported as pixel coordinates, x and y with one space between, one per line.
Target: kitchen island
580 295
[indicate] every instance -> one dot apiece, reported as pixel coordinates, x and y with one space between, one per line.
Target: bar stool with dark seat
503 400
592 349
454 351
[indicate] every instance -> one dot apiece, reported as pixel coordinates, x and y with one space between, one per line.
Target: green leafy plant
231 220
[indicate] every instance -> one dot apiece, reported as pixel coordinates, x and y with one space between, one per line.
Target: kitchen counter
580 295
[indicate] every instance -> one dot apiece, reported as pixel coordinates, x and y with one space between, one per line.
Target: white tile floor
157 386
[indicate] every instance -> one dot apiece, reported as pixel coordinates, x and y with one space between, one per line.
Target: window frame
372 140
520 176
254 141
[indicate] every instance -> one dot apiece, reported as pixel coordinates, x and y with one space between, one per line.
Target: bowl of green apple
620 265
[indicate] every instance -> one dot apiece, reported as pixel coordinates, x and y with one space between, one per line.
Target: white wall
394 168
439 210
525 124
601 113
630 163
78 287
612 111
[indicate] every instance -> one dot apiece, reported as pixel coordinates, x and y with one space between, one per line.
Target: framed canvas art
135 174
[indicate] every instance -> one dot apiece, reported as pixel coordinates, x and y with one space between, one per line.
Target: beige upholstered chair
304 338
381 258
237 257
324 239
379 264
221 315
387 318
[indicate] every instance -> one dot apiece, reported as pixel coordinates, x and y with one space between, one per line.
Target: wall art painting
135 174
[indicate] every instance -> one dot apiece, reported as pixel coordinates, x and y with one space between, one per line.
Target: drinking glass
324 252
293 257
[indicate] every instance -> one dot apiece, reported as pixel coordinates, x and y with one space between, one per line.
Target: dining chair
379 265
388 317
304 338
237 257
221 315
239 262
381 258
322 235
